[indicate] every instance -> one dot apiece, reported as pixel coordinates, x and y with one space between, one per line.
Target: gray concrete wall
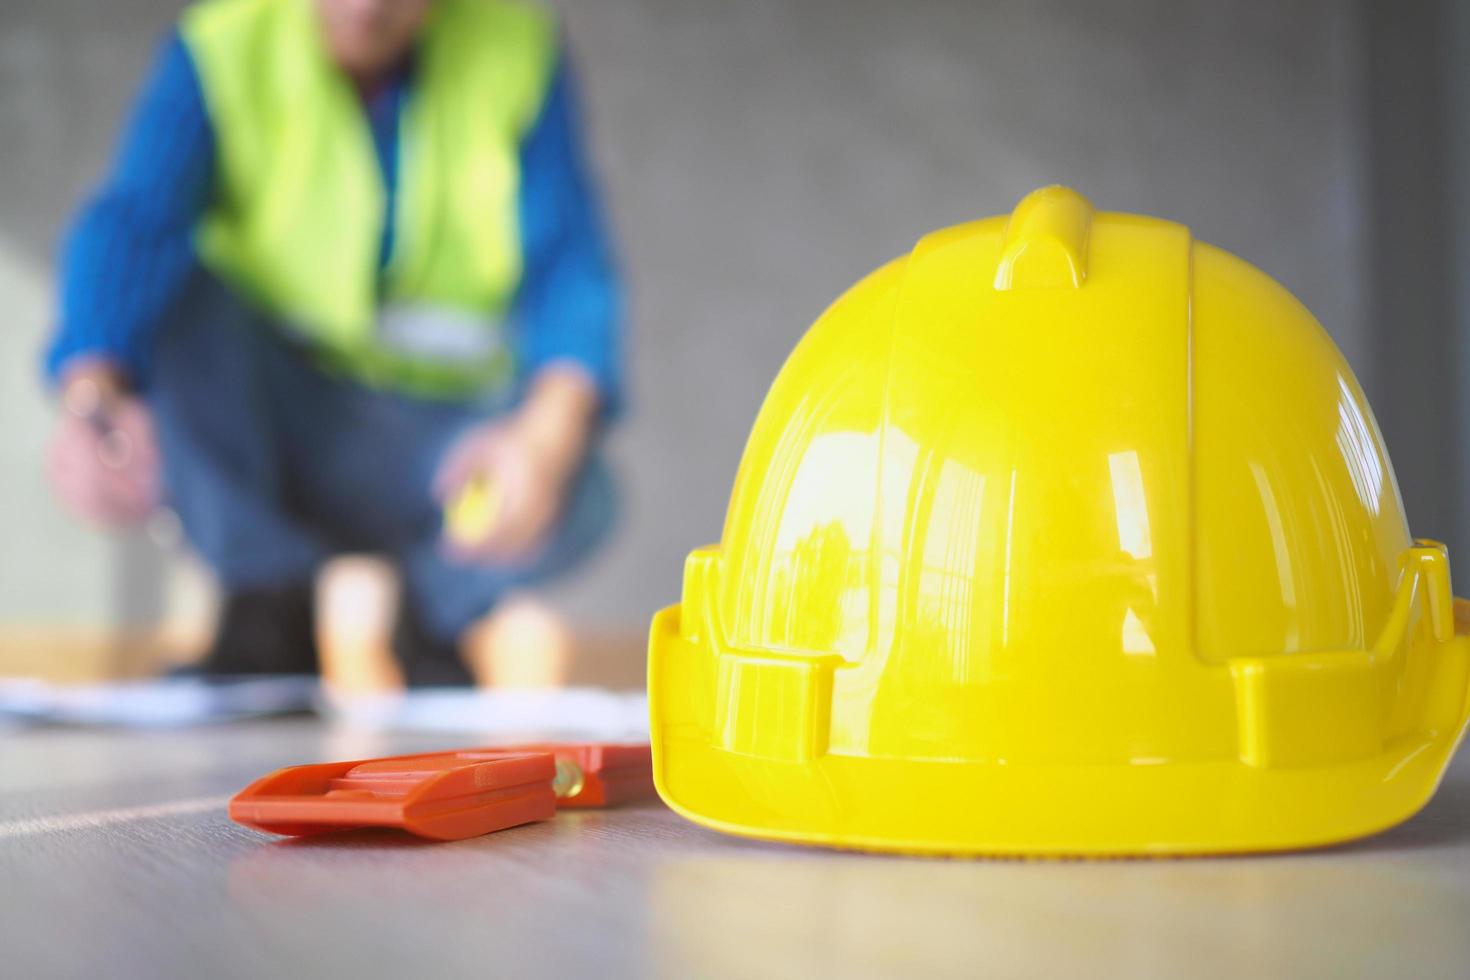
1447 461
761 156
1415 112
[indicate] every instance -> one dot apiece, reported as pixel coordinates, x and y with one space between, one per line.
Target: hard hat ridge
1045 241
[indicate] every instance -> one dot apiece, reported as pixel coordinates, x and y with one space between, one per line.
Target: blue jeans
274 466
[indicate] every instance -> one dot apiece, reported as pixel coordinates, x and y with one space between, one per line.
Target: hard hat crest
1045 242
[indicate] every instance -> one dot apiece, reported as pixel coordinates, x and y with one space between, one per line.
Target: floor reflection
1374 908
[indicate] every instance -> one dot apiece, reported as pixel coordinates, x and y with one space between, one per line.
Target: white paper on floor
572 713
575 713
168 702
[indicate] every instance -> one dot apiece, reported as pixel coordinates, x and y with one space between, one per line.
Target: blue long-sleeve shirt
130 250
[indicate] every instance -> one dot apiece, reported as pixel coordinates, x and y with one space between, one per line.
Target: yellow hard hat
1064 534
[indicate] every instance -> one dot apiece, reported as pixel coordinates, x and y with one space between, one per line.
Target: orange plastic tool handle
446 795
442 795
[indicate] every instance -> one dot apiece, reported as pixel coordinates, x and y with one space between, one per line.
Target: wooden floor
116 859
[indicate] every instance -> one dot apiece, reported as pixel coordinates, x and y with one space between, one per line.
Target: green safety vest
297 212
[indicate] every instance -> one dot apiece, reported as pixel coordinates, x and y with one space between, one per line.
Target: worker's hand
103 460
522 465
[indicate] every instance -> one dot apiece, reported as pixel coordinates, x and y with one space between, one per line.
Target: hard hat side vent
1045 242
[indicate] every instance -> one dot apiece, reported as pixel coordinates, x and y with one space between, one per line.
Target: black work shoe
426 660
270 630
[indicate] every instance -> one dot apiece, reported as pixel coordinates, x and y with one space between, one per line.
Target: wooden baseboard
75 654
600 656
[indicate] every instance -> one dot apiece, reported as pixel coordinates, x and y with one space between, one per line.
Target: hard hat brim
923 806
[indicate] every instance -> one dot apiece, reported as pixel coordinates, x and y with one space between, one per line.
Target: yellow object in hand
473 513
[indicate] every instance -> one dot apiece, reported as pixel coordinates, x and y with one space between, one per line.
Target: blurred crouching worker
348 263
